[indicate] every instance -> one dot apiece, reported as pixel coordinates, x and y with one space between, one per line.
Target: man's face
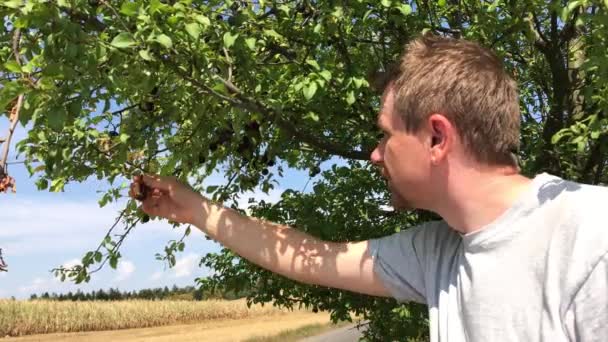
403 158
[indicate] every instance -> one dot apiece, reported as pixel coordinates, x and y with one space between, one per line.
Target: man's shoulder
431 235
580 226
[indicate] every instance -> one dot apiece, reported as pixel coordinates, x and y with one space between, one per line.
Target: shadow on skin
284 250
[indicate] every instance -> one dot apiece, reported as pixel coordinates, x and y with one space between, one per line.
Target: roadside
348 333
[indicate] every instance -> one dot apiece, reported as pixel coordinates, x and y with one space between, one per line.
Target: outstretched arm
276 247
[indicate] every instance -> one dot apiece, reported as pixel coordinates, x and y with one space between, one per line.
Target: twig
105 3
3 265
11 131
229 61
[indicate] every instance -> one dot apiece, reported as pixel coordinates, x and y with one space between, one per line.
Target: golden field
19 318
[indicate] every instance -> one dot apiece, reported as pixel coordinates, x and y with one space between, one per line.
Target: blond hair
465 82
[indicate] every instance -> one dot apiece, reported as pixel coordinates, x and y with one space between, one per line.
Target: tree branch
240 100
540 40
14 114
594 161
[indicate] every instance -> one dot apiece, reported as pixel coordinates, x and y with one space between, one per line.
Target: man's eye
380 136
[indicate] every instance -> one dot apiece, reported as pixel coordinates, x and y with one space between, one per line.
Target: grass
293 335
18 318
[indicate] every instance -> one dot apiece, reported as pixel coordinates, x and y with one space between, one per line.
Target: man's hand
166 197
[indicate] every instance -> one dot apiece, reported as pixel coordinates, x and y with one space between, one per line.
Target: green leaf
313 63
441 3
350 97
129 8
64 3
273 33
145 54
251 43
164 40
42 184
12 3
310 90
229 39
360 82
203 20
87 259
317 28
386 3
123 40
124 137
57 118
12 66
113 261
405 9
325 74
157 6
194 30
313 116
9 91
559 135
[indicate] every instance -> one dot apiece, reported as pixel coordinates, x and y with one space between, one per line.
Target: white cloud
125 269
52 284
156 275
186 265
37 285
71 263
45 225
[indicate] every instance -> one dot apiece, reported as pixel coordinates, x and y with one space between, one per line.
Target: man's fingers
156 181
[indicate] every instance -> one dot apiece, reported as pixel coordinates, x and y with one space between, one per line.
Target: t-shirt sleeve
587 316
397 261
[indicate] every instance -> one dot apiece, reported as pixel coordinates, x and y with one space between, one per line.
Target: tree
189 85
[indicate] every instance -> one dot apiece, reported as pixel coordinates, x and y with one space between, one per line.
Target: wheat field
18 318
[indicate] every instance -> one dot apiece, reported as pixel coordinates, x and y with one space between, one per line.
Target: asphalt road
348 333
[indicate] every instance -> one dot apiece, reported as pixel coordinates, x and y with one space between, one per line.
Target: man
514 259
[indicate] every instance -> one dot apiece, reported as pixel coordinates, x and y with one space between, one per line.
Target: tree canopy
114 87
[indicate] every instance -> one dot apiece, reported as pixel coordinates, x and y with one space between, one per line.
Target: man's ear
441 135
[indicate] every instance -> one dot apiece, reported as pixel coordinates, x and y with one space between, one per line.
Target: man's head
448 101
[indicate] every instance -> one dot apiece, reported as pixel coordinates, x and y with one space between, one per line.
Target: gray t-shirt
539 272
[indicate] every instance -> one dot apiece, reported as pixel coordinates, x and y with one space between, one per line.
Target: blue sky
40 231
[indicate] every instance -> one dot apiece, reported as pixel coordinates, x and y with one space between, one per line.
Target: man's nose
376 156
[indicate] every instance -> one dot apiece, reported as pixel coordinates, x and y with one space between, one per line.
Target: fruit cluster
7 183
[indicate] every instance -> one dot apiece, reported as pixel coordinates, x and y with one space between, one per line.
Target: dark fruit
315 171
270 163
244 145
145 218
225 134
253 126
213 146
94 3
140 191
146 106
265 172
201 159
